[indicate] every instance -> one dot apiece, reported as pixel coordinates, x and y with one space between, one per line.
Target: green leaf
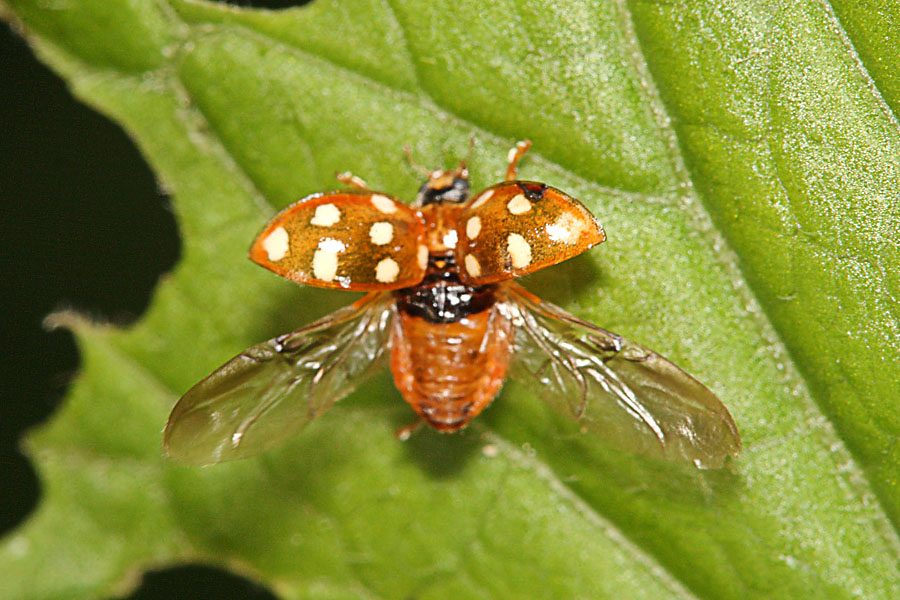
744 158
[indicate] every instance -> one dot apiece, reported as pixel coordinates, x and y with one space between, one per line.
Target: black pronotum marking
441 297
456 192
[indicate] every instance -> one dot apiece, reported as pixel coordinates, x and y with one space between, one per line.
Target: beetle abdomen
449 372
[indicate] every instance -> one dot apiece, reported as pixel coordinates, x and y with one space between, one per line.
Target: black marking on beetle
441 297
532 191
455 193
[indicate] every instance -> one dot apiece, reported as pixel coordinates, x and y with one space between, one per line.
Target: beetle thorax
444 187
440 227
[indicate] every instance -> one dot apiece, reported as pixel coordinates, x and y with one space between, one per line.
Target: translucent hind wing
629 394
274 389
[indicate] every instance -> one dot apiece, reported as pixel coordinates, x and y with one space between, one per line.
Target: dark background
83 226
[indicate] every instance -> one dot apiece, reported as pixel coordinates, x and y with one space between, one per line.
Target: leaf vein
591 515
426 101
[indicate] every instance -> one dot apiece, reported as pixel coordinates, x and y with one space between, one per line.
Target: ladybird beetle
442 305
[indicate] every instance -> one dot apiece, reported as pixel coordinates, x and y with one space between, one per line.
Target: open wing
353 240
275 388
623 391
517 227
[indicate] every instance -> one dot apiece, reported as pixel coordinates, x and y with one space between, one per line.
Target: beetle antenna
407 150
464 163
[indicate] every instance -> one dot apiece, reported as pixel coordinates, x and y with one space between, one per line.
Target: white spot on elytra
276 244
325 259
386 270
381 233
567 229
482 199
519 251
332 245
423 256
450 239
473 227
472 266
518 205
384 204
325 265
326 215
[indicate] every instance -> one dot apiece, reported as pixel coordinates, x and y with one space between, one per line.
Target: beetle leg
515 153
348 178
403 433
